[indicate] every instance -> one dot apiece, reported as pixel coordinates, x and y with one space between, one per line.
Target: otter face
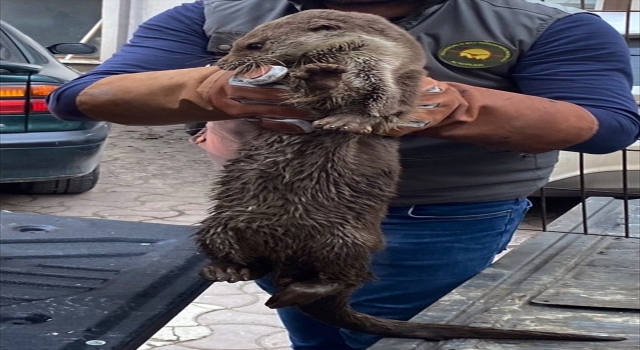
291 41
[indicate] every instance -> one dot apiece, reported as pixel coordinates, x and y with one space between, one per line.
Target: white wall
122 17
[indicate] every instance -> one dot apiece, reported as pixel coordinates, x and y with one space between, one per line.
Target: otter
306 209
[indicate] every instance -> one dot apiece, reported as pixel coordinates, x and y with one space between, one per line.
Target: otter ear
318 26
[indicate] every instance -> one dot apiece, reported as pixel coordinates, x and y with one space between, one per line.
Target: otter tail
337 313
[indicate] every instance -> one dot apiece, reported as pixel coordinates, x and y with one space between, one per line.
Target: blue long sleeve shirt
593 72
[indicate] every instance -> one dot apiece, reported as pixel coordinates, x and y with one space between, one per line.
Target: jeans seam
507 228
460 217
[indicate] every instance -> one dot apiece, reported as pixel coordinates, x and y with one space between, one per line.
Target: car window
9 51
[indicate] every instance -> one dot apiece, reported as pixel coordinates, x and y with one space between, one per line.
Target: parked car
42 154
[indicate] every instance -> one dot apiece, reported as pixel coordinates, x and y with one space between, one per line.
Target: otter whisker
278 62
245 68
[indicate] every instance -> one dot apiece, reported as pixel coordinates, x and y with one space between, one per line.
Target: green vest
475 42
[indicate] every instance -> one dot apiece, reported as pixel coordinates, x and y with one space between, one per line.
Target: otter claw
228 272
319 124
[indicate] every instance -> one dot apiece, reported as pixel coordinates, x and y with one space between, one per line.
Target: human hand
436 102
258 97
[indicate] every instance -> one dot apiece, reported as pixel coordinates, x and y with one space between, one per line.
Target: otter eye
323 27
254 46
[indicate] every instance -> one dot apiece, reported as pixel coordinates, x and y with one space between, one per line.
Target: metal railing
90 61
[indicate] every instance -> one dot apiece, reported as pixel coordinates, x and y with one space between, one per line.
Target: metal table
79 284
557 281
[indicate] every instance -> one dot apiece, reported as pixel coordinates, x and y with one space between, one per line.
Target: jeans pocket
489 225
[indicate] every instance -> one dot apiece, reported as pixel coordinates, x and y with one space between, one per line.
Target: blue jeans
431 249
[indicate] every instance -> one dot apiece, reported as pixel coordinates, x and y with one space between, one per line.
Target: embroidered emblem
476 54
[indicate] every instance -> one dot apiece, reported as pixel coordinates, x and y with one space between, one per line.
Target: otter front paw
320 76
229 272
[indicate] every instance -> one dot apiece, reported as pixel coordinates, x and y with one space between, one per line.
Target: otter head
305 37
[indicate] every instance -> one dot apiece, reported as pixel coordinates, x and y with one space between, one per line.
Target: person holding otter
511 82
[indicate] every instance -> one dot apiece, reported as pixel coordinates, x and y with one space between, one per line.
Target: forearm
150 98
503 120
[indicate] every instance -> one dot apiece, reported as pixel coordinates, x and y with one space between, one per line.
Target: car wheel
73 185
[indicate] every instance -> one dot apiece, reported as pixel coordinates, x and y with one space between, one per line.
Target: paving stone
232 337
232 316
27 201
192 333
217 289
251 287
8 198
168 222
120 197
175 195
80 204
187 317
187 219
196 206
116 183
232 301
164 336
258 307
110 213
188 208
53 210
277 340
166 347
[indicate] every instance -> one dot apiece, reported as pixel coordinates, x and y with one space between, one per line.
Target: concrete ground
151 174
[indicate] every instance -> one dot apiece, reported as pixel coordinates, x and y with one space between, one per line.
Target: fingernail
434 89
415 124
429 106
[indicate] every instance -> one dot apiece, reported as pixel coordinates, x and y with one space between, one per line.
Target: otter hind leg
231 272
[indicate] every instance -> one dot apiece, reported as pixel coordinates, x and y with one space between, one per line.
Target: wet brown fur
307 209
